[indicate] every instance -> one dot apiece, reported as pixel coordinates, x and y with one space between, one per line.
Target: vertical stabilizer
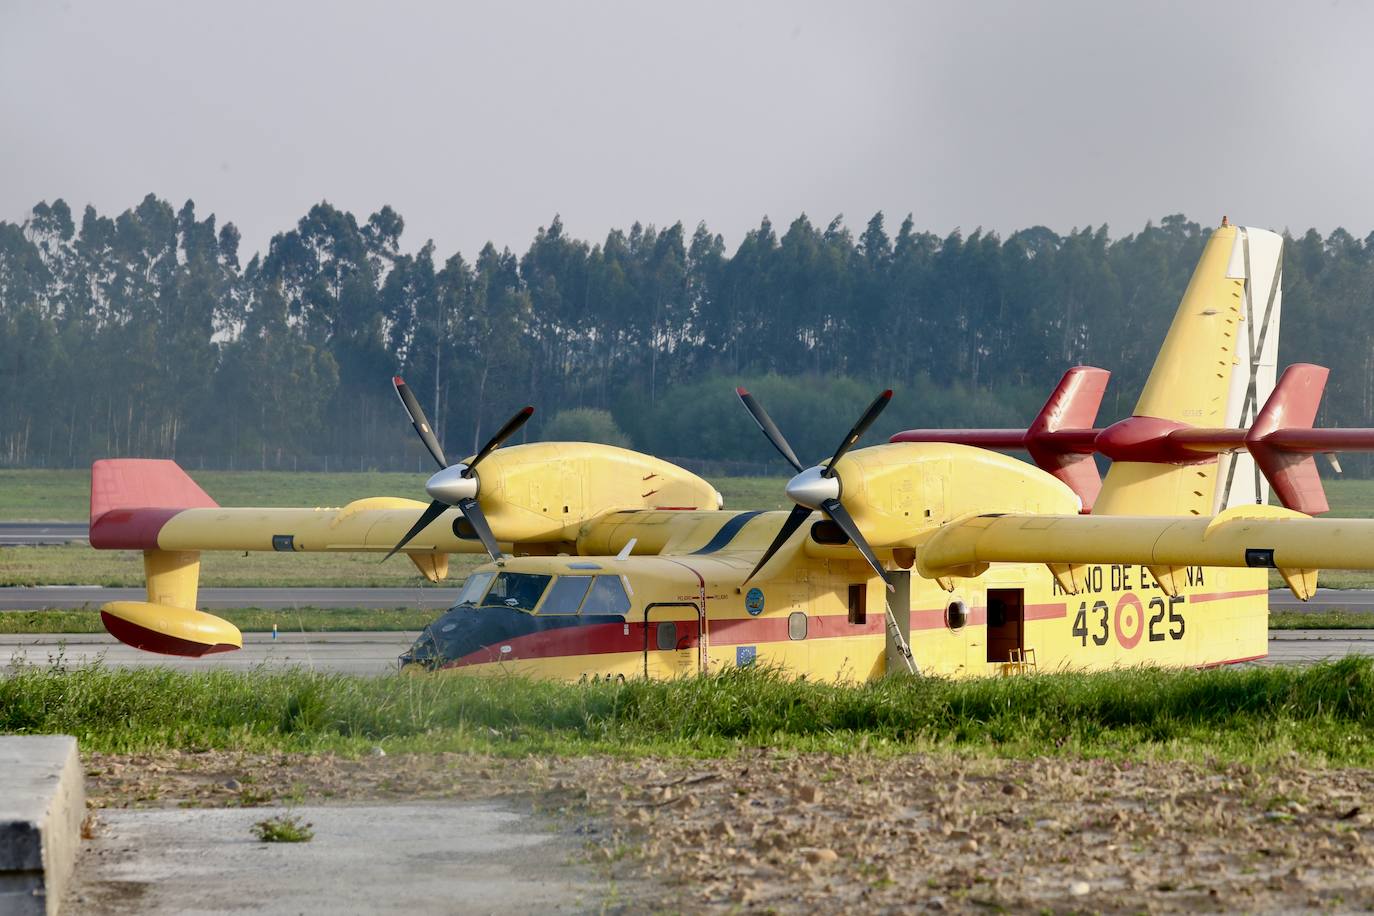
1190 385
1256 257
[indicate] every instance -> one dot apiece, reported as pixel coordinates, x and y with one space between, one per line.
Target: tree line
146 333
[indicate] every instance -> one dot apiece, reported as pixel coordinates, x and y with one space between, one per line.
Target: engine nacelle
898 491
546 491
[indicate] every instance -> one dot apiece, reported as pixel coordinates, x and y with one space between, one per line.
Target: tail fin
1060 438
1292 406
1191 382
1259 259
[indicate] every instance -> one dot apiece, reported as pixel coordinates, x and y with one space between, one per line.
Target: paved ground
375 653
346 653
38 533
76 596
1326 599
428 857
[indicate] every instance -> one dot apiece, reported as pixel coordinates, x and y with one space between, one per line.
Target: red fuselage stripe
1223 596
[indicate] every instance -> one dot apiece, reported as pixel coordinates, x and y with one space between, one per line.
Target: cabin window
566 595
858 604
607 597
666 636
796 625
474 588
521 591
956 615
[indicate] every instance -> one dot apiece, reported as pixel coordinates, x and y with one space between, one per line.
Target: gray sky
480 121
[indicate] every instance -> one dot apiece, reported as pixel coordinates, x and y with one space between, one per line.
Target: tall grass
1323 712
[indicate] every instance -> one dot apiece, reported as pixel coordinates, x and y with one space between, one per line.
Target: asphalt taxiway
38 534
78 596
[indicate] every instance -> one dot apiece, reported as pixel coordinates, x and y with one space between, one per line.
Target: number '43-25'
1095 622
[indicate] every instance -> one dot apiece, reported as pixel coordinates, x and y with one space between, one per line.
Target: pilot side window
858 604
607 597
566 595
474 587
517 590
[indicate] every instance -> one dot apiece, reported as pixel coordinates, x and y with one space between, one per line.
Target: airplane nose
449 485
810 489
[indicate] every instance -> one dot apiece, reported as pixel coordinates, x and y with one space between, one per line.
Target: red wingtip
887 395
528 411
397 381
741 392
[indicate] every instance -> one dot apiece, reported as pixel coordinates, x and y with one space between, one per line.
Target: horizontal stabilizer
1060 439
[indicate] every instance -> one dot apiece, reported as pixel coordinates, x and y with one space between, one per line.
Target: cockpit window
607 597
566 595
517 590
473 588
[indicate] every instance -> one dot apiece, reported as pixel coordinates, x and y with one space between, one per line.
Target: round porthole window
956 615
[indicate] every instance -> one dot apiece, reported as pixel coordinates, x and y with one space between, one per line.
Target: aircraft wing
1244 536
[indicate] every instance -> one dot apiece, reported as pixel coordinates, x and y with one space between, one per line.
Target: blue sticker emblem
745 655
753 602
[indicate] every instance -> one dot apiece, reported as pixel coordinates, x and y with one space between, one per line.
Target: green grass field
1323 713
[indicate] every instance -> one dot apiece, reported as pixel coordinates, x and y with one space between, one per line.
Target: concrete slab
42 806
413 857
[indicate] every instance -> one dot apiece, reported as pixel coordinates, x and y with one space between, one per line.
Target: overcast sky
480 121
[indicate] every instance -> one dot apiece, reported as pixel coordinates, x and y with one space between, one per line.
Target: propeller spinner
454 484
816 488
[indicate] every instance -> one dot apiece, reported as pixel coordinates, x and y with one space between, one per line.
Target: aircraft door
1006 623
671 634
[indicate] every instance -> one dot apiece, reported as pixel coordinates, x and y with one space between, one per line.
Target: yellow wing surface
1245 536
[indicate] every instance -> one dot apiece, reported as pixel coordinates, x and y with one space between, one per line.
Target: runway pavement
343 653
14 534
375 653
78 596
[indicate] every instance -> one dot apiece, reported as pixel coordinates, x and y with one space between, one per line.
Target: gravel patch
795 832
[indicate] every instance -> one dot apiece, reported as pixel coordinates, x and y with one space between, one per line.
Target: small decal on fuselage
753 602
745 655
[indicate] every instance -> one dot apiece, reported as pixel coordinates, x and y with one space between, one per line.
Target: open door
671 634
1006 624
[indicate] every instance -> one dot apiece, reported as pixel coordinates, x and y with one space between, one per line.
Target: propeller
816 488
454 484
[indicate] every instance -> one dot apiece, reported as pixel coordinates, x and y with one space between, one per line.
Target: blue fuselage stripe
727 533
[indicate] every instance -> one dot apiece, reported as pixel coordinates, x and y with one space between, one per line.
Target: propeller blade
496 441
419 421
770 429
435 510
473 513
794 521
857 433
840 516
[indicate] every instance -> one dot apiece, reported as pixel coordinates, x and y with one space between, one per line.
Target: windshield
517 590
473 588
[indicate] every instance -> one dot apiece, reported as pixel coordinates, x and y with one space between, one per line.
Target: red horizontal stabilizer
132 498
1292 408
1060 439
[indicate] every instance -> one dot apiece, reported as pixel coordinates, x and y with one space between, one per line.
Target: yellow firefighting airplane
926 557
